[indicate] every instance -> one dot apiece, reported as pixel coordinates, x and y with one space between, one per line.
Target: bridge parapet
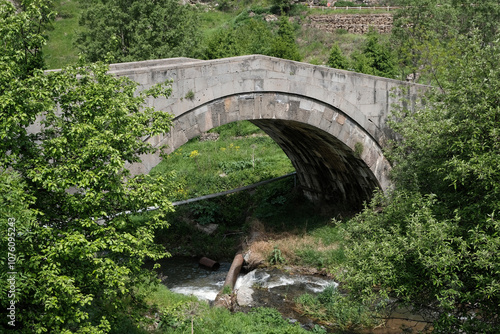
363 98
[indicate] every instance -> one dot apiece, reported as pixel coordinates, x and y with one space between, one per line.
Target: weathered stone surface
244 296
353 23
316 114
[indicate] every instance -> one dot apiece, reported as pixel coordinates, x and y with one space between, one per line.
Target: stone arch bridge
330 123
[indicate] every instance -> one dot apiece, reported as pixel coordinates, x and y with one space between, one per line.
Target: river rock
208 229
226 301
209 136
244 296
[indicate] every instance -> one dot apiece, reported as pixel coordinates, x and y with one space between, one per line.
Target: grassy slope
60 50
242 155
314 44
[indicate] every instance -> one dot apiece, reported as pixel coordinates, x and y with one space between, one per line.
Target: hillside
316 29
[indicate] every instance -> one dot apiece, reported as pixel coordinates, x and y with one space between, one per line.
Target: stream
257 288
184 275
261 287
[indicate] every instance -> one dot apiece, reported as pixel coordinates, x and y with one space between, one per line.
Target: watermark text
11 272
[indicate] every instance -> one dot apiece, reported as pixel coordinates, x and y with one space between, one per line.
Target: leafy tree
282 6
225 5
24 32
65 185
380 55
424 28
337 59
362 64
222 44
284 45
434 242
255 36
483 17
245 36
131 30
375 58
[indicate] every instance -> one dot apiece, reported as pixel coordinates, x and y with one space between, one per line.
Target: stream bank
261 287
294 237
269 287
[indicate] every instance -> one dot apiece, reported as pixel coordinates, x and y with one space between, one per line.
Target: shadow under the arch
330 174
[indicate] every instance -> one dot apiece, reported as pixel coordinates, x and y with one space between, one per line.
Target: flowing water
186 276
261 287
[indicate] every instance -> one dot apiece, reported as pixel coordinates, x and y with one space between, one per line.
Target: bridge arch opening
329 172
337 162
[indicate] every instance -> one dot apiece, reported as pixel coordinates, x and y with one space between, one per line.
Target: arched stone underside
328 170
336 160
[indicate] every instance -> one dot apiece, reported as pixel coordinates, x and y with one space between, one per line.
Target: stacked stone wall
353 23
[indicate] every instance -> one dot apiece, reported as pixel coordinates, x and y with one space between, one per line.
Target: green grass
60 49
337 311
242 155
331 253
175 313
212 20
315 44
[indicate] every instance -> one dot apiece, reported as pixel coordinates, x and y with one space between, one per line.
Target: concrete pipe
209 263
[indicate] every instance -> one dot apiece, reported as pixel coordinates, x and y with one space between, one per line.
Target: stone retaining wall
353 23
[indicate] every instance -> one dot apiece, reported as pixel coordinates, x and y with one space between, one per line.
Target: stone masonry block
207 121
192 131
246 106
273 85
330 114
268 104
258 85
142 78
201 84
315 118
257 110
281 110
317 92
306 104
243 86
365 97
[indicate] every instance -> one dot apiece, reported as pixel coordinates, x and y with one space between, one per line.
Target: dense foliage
374 58
283 45
423 30
340 312
222 44
131 30
433 243
336 59
188 316
252 35
64 184
21 35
